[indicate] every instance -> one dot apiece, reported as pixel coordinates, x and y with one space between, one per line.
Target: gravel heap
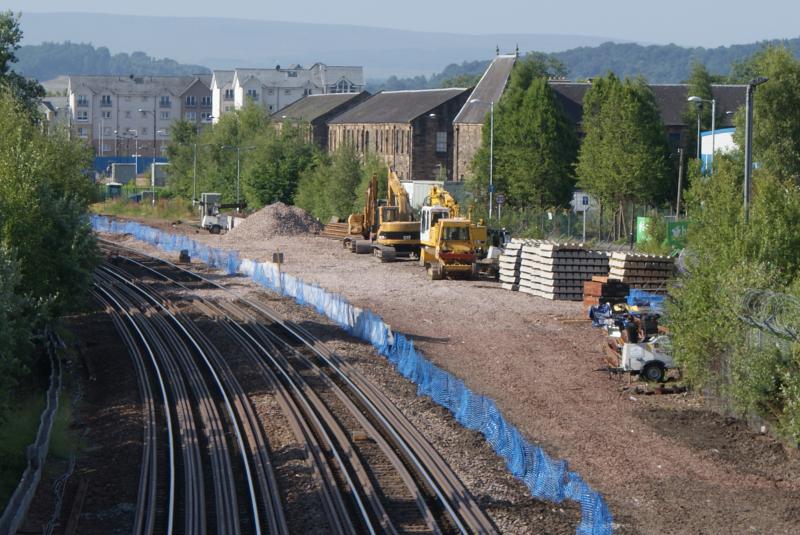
275 220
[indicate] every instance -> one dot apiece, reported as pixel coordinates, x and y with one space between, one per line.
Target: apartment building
279 87
123 115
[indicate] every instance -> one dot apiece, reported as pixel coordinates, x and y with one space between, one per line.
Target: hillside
48 60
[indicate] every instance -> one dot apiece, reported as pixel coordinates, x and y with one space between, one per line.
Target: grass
170 209
18 430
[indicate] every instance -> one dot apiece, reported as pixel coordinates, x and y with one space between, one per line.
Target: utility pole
748 144
680 182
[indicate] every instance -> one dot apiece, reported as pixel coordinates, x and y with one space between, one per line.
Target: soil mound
275 220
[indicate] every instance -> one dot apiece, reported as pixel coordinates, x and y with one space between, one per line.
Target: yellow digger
449 244
388 228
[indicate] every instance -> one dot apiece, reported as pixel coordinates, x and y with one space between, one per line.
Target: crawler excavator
449 243
388 229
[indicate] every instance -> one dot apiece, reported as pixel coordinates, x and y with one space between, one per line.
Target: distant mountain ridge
229 43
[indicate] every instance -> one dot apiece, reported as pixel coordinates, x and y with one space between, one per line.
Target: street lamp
748 144
238 150
491 149
699 102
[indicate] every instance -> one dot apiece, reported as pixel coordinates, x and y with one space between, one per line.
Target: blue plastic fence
546 478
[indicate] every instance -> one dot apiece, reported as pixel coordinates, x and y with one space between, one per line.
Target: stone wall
468 138
390 141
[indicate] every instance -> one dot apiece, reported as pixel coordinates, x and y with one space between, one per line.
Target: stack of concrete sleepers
510 260
557 271
642 271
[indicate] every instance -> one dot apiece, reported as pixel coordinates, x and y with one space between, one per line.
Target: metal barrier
20 501
547 479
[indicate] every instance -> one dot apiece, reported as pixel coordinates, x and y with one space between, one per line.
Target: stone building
279 87
120 114
314 112
468 124
412 131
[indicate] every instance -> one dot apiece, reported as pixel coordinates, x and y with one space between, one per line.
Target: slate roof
313 107
670 98
144 85
489 89
397 106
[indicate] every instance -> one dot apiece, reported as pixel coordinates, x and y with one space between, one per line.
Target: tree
776 115
699 84
624 156
26 91
535 144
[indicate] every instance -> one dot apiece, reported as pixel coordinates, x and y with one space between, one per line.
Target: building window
441 141
205 101
270 107
366 139
292 74
165 101
144 131
83 115
205 116
82 132
253 94
128 114
191 116
164 115
342 86
106 114
82 100
229 94
306 92
270 91
191 101
105 100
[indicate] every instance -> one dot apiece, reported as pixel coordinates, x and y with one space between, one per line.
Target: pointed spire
517 51
497 50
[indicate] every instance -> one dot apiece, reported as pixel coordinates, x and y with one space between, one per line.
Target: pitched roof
489 89
670 99
397 106
312 107
136 85
221 78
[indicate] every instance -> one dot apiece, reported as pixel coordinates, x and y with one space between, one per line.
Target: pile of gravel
275 220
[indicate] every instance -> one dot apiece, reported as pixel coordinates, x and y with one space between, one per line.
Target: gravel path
536 360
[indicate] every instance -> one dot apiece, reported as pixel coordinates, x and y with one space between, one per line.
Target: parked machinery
387 229
210 217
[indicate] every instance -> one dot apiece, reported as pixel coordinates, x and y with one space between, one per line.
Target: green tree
776 114
181 154
535 144
699 84
26 91
624 156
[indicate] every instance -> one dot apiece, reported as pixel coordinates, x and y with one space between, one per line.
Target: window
292 74
342 86
144 131
106 114
82 132
165 101
83 115
105 100
205 101
441 141
191 101
366 139
164 115
205 116
270 91
229 94
128 114
252 93
191 116
82 100
306 92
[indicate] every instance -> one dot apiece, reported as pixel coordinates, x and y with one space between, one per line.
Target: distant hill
49 60
224 43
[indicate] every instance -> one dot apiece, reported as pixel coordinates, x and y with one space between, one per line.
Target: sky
684 22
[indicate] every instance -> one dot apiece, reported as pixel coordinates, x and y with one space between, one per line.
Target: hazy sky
685 22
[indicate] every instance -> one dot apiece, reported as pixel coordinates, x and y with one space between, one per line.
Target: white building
277 88
120 115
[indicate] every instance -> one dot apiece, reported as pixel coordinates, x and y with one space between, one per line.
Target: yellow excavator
387 229
449 243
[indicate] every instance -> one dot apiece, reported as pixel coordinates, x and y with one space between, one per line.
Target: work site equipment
210 217
449 244
387 229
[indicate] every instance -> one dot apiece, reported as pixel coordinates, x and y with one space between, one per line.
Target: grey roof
670 98
397 106
223 77
134 85
312 107
489 89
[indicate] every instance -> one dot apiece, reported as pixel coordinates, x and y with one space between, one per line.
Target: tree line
47 250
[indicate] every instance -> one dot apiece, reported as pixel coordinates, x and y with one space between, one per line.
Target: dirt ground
665 464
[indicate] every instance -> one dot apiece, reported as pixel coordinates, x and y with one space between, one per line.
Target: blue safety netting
546 478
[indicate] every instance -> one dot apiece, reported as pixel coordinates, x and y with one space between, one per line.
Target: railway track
374 471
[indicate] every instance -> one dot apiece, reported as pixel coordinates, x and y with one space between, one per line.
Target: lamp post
748 144
491 149
238 150
699 101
